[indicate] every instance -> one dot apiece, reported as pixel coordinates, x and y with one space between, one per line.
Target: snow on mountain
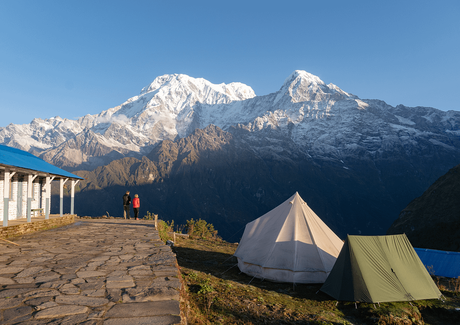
163 110
302 86
322 120
39 134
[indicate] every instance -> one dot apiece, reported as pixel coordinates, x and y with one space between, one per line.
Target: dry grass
455 284
218 293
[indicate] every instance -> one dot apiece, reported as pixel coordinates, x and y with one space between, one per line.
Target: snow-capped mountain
321 120
163 110
228 155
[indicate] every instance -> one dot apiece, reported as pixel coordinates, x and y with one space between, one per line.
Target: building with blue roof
25 181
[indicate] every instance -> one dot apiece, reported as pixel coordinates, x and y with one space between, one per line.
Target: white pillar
13 203
61 195
48 196
24 197
6 196
30 188
72 196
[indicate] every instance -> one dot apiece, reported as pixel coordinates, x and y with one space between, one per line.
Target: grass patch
218 293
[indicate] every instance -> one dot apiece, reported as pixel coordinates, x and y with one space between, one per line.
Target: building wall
36 194
15 198
13 202
28 227
18 196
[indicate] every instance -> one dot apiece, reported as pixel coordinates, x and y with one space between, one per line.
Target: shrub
149 216
206 288
164 227
200 228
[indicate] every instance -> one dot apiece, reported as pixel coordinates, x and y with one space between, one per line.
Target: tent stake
336 303
356 305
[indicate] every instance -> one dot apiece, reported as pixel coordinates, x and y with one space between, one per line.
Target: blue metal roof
22 159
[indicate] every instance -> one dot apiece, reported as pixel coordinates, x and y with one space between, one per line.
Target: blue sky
72 58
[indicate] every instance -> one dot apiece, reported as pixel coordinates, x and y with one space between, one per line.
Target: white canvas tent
288 244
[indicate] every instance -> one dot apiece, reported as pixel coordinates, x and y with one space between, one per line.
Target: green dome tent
379 269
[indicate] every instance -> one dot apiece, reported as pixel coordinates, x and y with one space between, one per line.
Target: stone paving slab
95 271
157 320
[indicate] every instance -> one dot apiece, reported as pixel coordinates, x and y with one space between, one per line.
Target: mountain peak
182 82
164 80
304 86
304 76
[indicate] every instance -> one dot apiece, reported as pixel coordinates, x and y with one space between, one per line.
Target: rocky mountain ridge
221 153
433 219
322 120
218 176
163 110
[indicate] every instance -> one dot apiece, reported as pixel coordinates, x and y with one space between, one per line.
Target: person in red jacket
136 206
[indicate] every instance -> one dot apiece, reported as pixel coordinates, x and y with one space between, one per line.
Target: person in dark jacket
136 206
126 203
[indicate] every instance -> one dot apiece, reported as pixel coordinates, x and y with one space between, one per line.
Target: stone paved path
102 271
